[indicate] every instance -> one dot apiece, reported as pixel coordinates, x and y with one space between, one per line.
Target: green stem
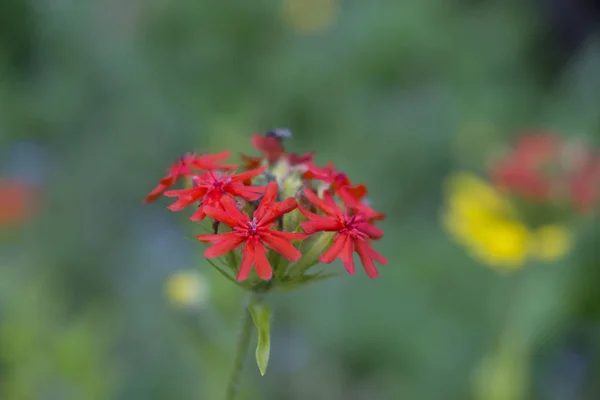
240 355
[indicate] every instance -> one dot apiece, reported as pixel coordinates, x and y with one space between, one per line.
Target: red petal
249 174
370 214
309 175
316 173
311 227
370 230
199 214
213 238
247 261
321 204
336 248
169 180
263 268
269 198
214 157
223 247
230 207
311 215
209 161
155 193
347 256
282 246
358 191
250 193
270 146
289 235
362 248
181 203
251 162
328 198
295 159
376 256
278 210
319 223
179 193
348 198
223 216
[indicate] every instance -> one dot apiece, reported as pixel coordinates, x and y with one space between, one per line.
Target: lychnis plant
271 222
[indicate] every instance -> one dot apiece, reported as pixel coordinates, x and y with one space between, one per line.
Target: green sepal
261 315
304 280
312 249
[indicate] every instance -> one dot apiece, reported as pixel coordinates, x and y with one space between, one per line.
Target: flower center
218 181
252 227
351 228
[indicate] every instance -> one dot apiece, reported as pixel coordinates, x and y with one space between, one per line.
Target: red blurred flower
270 145
255 233
523 170
16 202
339 182
544 167
584 181
250 162
297 159
354 232
183 167
210 188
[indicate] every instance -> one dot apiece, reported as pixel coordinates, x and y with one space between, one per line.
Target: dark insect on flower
279 133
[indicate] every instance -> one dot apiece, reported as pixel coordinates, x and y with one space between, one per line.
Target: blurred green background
97 98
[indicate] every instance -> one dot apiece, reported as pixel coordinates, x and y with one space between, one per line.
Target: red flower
211 187
255 233
354 232
351 195
251 162
297 159
270 146
183 168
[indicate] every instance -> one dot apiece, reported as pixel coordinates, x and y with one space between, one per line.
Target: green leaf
261 315
223 272
233 261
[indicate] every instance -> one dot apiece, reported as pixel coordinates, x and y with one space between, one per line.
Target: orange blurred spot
16 202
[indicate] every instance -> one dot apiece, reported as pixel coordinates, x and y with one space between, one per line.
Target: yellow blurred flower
186 289
552 242
485 222
309 16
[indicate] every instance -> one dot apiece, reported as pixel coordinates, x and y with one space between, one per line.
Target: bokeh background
97 98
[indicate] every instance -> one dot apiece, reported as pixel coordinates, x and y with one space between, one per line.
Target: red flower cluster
231 198
543 167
